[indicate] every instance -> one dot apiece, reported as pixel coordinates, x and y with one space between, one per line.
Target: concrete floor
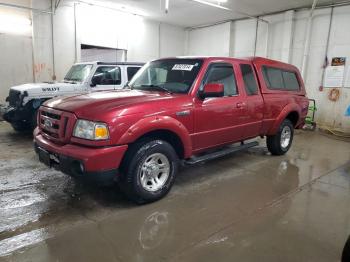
246 207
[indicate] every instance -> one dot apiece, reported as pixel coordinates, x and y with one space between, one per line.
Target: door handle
241 105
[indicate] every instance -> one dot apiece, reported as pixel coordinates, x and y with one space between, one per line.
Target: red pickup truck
184 109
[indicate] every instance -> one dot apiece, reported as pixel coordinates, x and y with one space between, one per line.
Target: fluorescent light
118 7
166 6
212 4
14 24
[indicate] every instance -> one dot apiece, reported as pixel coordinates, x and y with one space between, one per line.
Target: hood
96 104
40 89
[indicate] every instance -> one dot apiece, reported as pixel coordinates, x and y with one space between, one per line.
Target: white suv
24 100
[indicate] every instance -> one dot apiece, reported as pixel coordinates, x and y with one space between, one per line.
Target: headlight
91 130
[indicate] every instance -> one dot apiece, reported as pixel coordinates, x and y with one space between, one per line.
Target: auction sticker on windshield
183 67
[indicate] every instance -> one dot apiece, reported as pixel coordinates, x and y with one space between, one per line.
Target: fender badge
48 123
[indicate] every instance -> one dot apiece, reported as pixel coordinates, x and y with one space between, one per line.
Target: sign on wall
334 76
338 61
347 78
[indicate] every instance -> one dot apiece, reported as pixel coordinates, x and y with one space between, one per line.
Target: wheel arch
160 127
291 112
294 117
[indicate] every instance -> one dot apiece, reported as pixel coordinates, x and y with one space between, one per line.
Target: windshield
168 75
78 73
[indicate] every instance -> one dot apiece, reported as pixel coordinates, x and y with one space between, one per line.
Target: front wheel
148 170
280 143
20 126
34 121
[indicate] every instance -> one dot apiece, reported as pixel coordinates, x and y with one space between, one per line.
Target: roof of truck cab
263 60
252 59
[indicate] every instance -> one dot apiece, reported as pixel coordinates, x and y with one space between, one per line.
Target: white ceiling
188 13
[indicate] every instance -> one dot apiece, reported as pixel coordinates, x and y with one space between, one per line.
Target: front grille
13 97
56 125
51 115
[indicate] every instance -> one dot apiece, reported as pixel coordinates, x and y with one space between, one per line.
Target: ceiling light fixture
212 4
114 6
14 24
167 6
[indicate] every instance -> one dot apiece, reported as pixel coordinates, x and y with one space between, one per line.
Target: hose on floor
330 132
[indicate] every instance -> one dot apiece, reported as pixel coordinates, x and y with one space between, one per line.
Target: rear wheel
280 143
148 170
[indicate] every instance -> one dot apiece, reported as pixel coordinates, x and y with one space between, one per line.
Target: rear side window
250 84
273 78
223 74
279 79
290 80
131 71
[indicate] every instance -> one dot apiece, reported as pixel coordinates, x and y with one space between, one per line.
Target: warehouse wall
16 67
286 35
214 40
142 38
42 42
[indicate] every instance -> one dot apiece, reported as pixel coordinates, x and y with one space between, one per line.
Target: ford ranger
24 100
175 110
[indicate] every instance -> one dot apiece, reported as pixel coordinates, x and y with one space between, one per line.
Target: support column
43 64
287 39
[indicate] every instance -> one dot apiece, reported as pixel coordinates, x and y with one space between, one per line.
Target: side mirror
94 81
212 90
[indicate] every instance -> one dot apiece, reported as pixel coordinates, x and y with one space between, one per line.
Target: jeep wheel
34 119
148 170
20 127
280 143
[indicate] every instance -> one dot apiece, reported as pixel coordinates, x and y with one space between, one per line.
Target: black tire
274 143
137 154
34 119
346 252
20 127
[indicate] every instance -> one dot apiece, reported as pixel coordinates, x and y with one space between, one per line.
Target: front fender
283 114
155 123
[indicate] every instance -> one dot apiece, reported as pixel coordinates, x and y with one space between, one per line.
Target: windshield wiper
158 87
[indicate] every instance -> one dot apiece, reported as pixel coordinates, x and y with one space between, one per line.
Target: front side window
107 75
250 84
78 73
222 74
131 71
169 75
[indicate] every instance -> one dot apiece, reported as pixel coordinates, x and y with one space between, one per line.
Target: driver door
106 78
216 119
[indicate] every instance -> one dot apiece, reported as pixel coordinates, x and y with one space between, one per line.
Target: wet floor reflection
48 216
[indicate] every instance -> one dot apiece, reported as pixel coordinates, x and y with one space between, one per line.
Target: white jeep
24 100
